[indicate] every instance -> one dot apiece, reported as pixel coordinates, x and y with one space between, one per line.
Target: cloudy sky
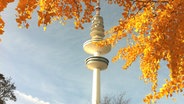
48 67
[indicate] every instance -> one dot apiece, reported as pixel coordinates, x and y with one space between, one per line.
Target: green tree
6 90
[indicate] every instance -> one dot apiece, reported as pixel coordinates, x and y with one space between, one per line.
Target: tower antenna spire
98 7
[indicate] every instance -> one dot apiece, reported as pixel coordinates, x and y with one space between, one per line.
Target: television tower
96 63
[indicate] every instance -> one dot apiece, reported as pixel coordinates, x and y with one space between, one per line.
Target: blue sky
48 66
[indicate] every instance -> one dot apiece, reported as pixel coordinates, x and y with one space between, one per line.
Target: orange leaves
166 48
24 10
1 26
42 5
167 90
129 54
157 32
3 4
148 98
125 14
53 10
78 24
57 10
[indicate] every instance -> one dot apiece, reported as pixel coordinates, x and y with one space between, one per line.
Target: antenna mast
98 7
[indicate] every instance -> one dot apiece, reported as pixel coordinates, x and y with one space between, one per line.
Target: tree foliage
6 89
3 5
155 27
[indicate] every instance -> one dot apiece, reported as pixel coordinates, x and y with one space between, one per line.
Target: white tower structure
96 63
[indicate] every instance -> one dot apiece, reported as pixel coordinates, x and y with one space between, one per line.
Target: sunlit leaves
52 10
156 28
25 9
1 26
3 5
56 10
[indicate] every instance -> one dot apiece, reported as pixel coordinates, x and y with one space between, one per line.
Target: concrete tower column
96 63
96 86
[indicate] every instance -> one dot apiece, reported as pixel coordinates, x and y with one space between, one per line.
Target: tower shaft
96 63
96 87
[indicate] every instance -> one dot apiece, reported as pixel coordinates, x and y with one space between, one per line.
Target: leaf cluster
156 31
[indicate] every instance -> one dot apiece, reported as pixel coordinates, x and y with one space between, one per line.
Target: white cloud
23 98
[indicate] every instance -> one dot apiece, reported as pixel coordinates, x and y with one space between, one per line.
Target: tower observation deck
96 62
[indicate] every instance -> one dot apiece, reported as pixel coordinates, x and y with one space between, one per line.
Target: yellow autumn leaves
3 5
157 31
51 10
155 27
1 25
